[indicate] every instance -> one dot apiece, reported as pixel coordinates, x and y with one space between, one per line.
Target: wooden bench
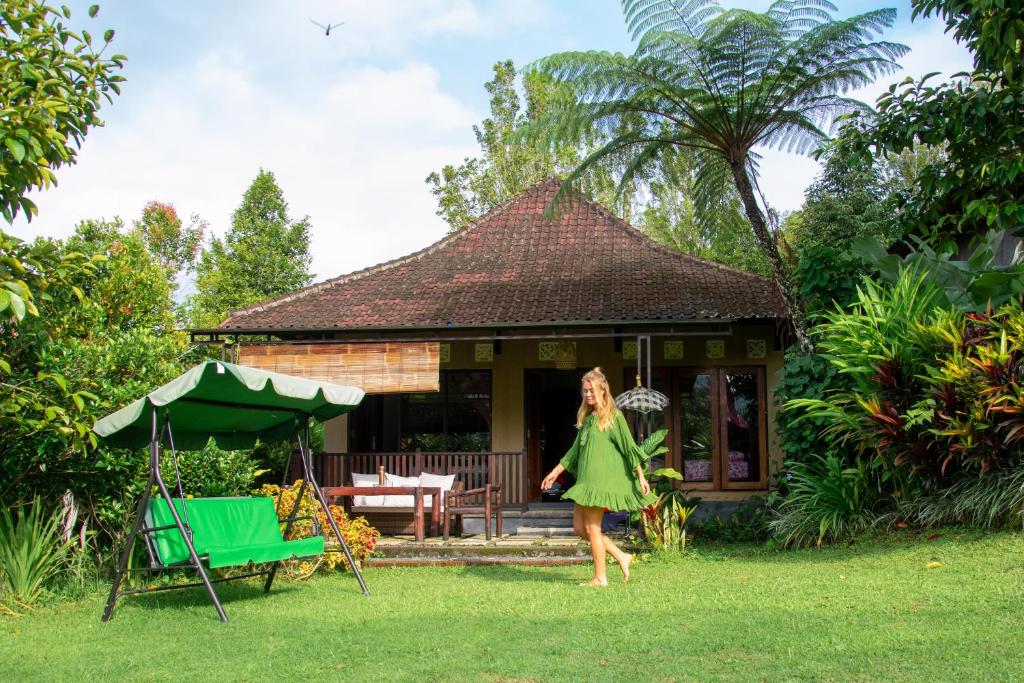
385 516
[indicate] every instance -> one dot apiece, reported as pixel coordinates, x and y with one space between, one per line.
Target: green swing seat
227 531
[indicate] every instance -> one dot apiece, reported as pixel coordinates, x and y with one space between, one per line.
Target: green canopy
234 404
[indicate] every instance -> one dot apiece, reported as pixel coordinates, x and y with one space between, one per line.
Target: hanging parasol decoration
641 399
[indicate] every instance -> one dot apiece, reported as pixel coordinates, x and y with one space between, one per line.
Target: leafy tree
721 83
713 228
992 29
977 182
844 203
52 83
175 245
506 167
101 339
264 254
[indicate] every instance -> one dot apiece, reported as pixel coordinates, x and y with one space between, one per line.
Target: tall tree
722 83
506 167
174 245
264 254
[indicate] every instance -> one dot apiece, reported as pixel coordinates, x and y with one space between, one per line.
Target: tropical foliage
826 500
664 523
985 278
720 83
31 552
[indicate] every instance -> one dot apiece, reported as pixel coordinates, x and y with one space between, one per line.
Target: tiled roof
512 267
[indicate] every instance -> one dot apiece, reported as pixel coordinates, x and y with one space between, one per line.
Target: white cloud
352 156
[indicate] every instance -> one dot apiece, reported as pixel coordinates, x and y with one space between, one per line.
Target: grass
868 612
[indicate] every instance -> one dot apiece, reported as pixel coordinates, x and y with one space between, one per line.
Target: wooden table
417 492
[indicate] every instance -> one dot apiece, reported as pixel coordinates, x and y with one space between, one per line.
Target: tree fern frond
685 16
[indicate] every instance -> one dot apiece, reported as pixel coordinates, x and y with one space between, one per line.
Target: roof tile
513 267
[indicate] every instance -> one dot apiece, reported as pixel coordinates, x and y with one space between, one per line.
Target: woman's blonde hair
604 404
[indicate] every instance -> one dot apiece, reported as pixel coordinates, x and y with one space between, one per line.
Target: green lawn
872 611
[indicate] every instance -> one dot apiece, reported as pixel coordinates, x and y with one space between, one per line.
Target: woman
609 469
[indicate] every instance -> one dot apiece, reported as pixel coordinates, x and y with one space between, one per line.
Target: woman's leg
624 559
578 525
577 522
592 525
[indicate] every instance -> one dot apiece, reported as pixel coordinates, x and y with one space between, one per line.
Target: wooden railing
474 470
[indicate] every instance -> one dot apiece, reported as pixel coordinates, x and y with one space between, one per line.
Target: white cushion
362 481
399 501
444 481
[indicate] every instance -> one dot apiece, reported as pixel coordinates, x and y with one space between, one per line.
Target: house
477 343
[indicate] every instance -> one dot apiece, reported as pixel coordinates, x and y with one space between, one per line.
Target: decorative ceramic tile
629 350
565 355
673 350
756 348
715 348
484 353
446 353
547 350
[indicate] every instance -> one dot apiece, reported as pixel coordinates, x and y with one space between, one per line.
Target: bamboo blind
385 368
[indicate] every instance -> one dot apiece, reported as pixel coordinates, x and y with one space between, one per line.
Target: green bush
749 523
213 472
826 502
31 552
995 500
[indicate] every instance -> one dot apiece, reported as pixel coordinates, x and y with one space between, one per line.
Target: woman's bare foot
624 566
595 583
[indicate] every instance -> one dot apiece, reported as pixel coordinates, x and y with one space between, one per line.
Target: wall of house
513 356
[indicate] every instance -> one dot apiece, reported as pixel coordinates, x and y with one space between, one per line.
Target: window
456 418
716 423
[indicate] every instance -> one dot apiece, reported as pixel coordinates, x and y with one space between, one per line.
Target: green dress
604 464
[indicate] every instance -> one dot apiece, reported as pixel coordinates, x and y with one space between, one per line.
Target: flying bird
328 27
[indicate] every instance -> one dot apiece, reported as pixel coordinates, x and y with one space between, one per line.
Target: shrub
212 472
749 523
995 500
826 502
664 523
31 551
804 376
360 537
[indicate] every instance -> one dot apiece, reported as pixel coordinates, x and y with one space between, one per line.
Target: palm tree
722 83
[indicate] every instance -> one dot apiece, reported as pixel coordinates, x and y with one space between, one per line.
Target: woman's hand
645 486
548 482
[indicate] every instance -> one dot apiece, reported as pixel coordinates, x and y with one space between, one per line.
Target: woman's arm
634 455
549 480
641 479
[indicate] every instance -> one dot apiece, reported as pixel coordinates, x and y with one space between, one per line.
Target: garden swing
236 406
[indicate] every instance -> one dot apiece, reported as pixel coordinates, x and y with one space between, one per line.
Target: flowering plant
360 537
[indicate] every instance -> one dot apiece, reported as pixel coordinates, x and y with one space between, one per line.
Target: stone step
472 524
378 562
506 547
552 530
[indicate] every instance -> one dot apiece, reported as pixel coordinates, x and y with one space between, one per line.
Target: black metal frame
195 560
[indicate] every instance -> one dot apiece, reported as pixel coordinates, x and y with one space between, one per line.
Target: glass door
743 448
698 438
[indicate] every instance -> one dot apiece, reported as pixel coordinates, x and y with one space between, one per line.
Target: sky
351 123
